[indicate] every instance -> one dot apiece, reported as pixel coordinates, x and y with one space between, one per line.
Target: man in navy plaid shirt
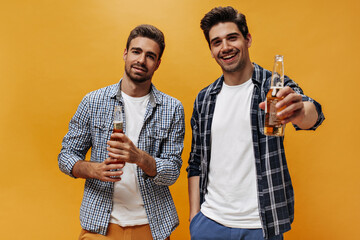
126 193
239 183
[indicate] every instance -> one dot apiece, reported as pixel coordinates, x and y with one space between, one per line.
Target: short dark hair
221 15
148 31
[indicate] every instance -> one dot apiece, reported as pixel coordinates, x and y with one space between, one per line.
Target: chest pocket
155 138
101 131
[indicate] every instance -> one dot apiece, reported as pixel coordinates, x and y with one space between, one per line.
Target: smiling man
239 183
126 193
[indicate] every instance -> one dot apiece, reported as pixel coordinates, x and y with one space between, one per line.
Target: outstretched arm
302 114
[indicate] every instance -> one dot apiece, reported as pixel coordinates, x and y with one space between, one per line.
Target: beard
137 78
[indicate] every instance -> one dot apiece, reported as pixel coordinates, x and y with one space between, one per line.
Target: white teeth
228 57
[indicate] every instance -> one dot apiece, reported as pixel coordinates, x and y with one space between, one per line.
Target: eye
216 43
152 57
135 51
232 38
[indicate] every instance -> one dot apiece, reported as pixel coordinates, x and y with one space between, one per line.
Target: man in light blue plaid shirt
126 193
239 183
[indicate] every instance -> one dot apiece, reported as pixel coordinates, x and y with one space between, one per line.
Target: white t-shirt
128 206
232 198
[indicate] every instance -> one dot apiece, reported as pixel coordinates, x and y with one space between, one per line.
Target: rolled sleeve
77 141
194 162
321 116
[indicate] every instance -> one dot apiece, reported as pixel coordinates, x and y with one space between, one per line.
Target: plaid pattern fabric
275 191
161 136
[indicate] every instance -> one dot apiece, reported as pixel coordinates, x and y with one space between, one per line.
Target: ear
249 40
125 54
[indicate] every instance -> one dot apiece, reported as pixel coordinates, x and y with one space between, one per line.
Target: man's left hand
123 149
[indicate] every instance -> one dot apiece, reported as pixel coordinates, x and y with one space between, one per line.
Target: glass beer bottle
118 120
273 126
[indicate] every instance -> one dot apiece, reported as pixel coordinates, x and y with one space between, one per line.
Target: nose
141 59
225 46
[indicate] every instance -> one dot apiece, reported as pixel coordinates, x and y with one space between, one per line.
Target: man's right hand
194 196
102 171
192 215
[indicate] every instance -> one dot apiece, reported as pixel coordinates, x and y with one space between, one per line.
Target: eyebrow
228 35
141 50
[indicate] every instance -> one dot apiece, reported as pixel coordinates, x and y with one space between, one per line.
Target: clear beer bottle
273 126
118 122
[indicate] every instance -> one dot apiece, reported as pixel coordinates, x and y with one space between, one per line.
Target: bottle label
273 120
118 125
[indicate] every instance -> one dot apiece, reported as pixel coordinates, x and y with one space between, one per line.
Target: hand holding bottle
290 108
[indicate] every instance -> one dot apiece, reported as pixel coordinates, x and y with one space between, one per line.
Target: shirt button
108 211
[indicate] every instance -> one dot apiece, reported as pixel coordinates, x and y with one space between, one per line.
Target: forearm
310 116
147 164
83 169
194 195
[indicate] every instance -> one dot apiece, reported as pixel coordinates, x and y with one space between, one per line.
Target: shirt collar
256 79
257 76
155 95
217 85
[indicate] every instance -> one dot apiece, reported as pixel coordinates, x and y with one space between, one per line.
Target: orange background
53 52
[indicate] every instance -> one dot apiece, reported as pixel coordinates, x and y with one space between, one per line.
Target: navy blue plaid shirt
161 136
275 191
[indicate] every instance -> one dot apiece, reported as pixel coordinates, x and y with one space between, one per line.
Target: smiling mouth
228 57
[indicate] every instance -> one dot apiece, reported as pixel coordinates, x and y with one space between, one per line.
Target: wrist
91 170
147 163
141 159
82 169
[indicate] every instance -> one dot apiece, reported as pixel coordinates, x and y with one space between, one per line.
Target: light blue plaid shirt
161 136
